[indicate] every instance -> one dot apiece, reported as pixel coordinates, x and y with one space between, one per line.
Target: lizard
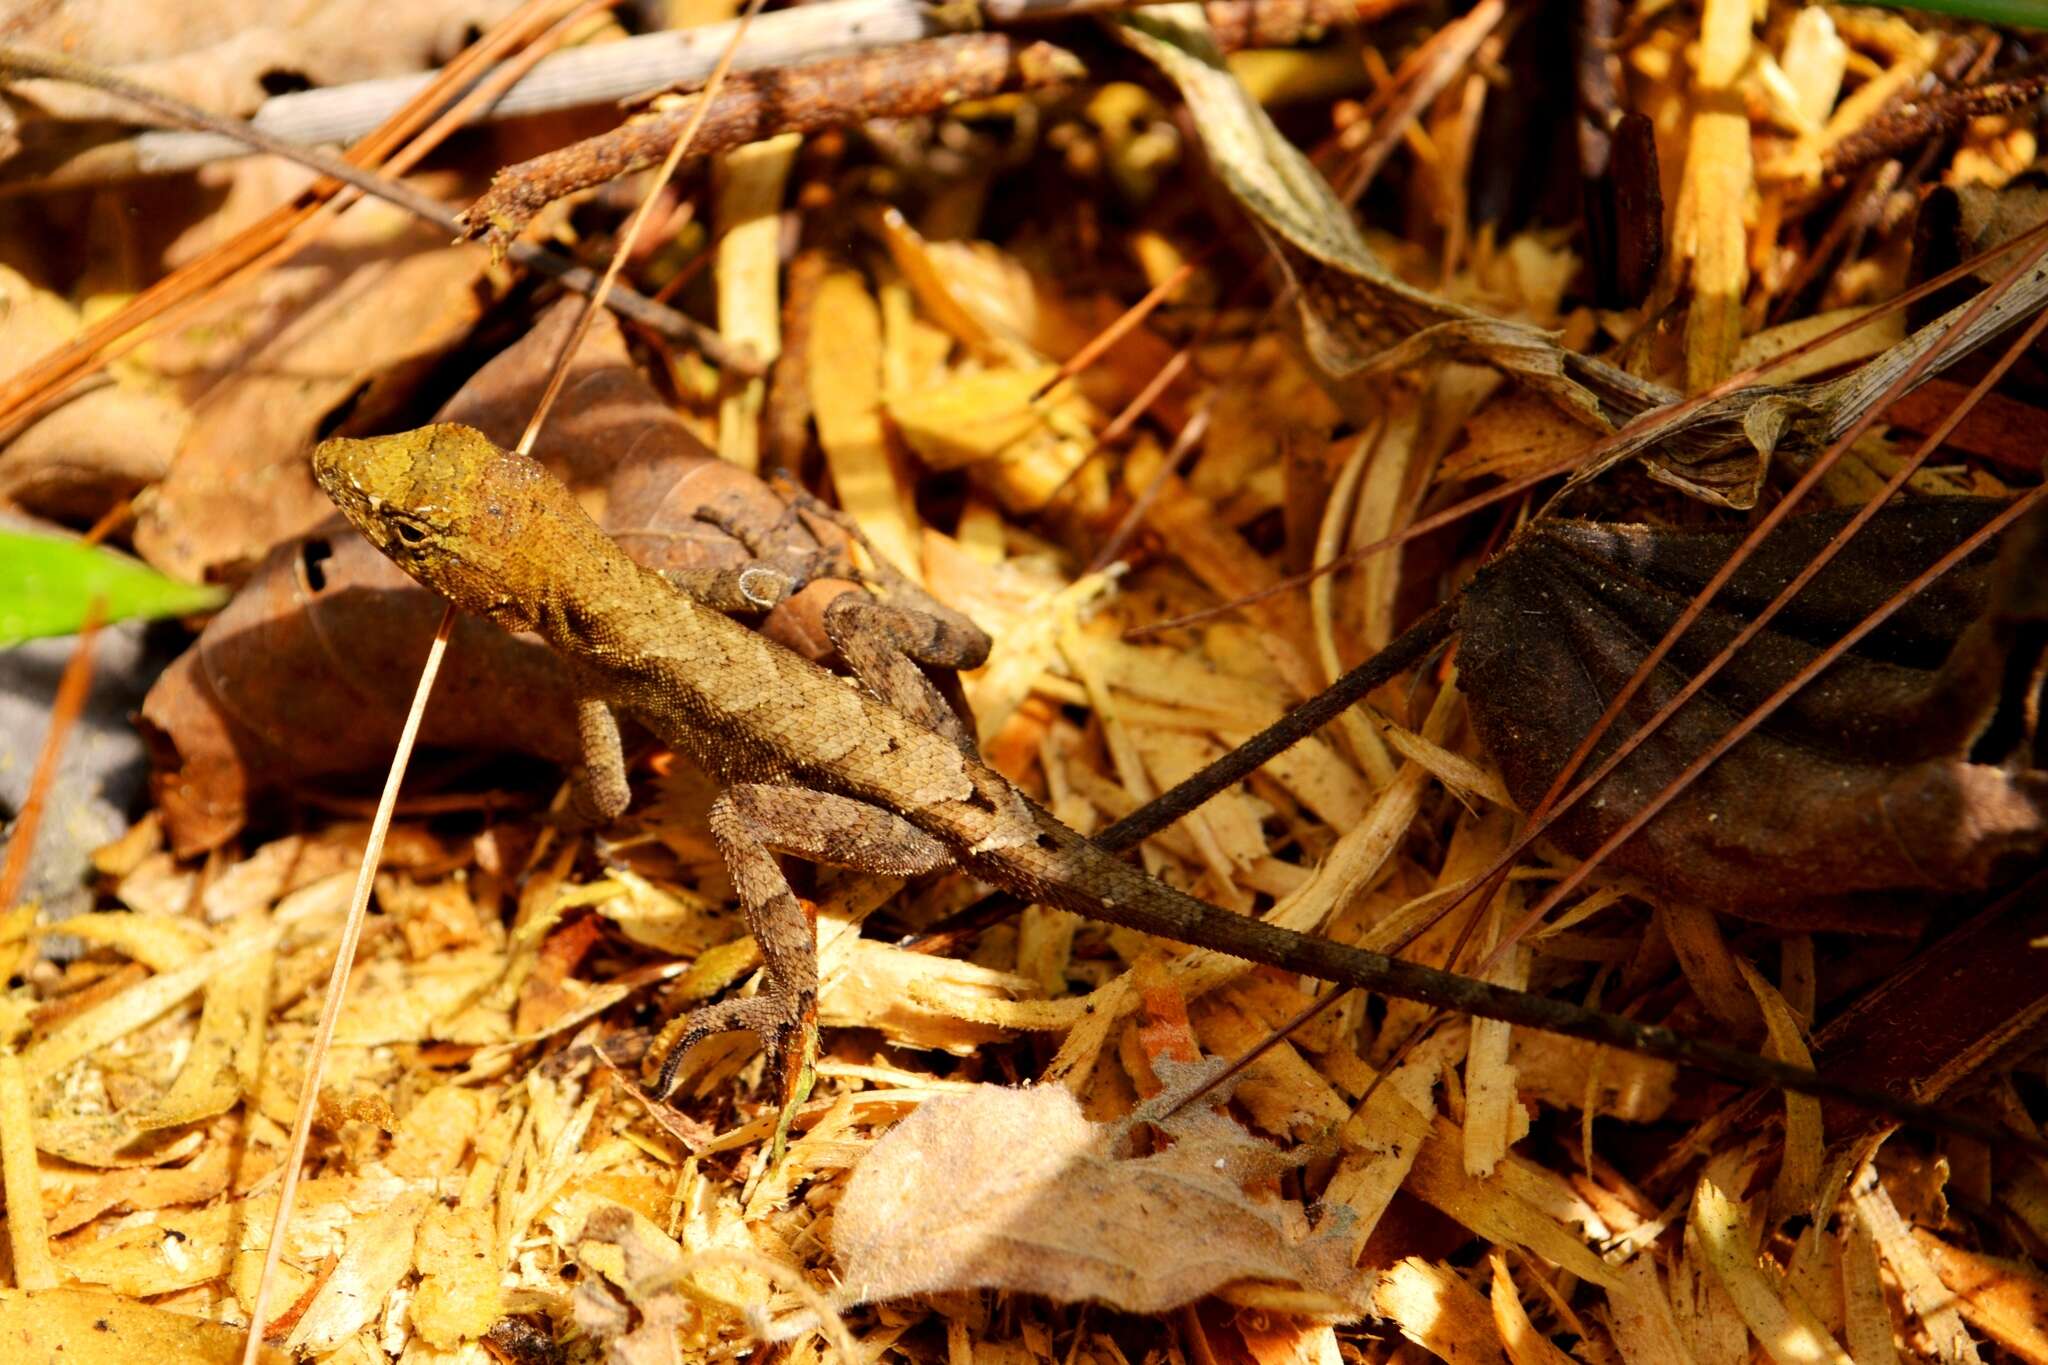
879 774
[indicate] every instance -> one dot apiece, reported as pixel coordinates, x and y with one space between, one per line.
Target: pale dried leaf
379 1254
1014 1189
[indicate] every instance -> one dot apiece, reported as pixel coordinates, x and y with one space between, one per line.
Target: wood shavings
1787 1327
379 1252
1718 184
2008 1300
1933 1307
751 180
27 1233
1438 1311
845 368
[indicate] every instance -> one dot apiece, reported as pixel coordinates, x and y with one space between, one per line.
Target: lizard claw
777 1020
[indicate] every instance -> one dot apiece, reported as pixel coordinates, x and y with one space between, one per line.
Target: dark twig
917 78
1911 122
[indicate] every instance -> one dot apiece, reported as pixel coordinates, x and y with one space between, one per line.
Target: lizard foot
777 1020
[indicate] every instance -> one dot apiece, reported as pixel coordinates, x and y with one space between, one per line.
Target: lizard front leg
884 643
751 823
784 560
598 790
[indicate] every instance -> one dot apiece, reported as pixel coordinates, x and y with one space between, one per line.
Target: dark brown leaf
1905 768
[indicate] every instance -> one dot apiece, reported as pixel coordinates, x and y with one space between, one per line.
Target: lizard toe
777 1020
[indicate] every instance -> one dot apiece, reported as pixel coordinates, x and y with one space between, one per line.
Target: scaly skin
501 537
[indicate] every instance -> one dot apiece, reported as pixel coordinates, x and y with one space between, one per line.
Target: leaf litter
489 1178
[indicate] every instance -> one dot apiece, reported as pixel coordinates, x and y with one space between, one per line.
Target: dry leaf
241 483
90 1327
1906 767
229 55
1014 1189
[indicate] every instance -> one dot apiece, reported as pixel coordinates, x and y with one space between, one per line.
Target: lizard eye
410 534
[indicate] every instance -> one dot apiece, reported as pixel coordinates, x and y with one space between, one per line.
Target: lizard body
817 767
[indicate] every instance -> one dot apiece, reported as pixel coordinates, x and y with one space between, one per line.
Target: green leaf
2013 13
47 583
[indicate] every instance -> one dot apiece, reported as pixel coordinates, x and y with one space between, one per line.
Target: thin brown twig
899 82
1184 447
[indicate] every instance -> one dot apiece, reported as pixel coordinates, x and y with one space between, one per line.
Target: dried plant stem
638 66
900 82
337 985
631 236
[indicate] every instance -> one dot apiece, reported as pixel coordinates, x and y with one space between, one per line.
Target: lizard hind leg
751 823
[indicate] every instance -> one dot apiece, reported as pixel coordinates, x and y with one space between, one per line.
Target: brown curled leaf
1906 769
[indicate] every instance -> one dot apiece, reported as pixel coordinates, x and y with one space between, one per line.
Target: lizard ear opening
410 534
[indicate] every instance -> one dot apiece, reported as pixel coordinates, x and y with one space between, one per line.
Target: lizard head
463 516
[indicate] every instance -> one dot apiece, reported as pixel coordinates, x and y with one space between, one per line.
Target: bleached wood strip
1790 1332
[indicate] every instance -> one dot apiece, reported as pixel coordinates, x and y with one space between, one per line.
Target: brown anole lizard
882 777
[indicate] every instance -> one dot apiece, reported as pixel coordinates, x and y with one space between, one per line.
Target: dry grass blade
337 992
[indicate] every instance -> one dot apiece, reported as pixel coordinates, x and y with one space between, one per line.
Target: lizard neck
593 598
